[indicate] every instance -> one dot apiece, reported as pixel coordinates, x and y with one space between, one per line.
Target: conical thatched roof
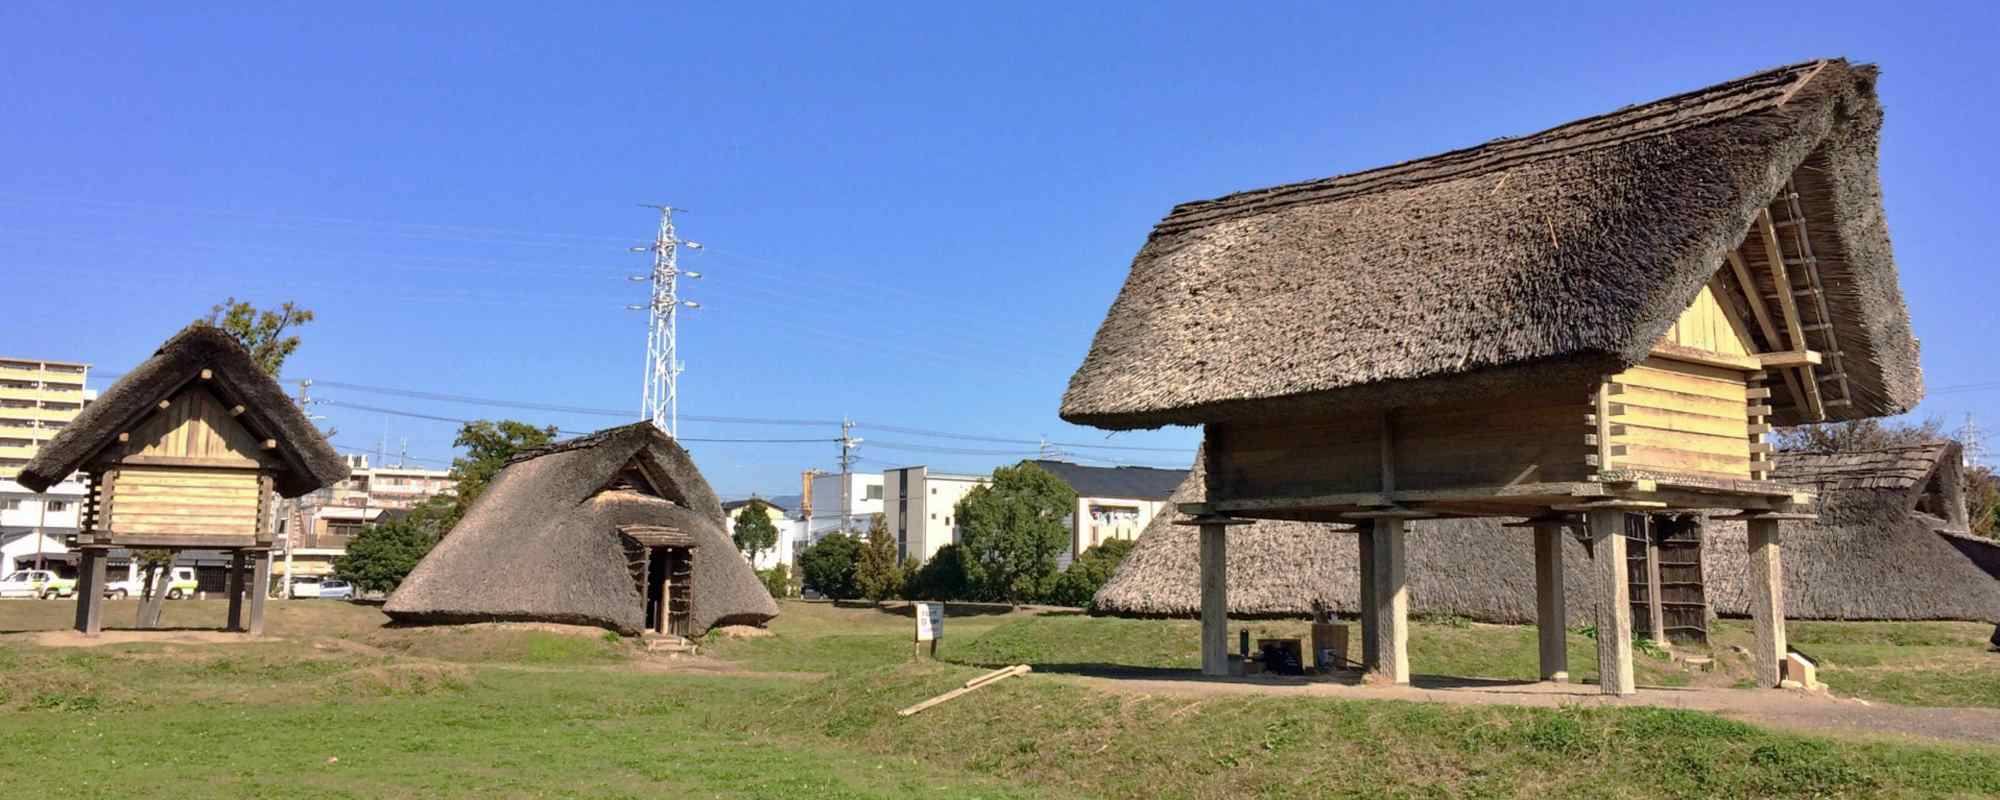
543 542
310 462
1472 568
1875 552
1552 259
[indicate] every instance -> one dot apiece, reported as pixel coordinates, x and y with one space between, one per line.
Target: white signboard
930 622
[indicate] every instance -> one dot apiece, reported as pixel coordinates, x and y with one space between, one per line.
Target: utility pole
659 398
291 530
847 457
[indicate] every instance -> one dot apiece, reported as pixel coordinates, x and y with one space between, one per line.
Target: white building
1112 502
831 507
791 534
920 508
55 513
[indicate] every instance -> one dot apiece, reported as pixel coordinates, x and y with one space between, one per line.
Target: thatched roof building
234 377
1546 261
1471 568
1882 548
565 534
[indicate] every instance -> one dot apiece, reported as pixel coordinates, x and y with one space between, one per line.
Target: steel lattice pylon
660 397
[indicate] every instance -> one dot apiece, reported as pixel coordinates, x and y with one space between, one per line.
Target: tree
829 565
1860 434
941 578
877 575
754 532
263 333
488 445
1011 531
381 556
1088 573
1982 501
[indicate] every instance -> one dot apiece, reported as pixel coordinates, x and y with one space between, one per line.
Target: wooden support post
89 590
1214 599
1614 602
1551 610
1371 654
1392 603
1656 611
237 565
1767 601
260 585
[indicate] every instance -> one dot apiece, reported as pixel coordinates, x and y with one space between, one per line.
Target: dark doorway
669 589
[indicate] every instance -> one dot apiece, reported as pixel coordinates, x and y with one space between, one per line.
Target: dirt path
1804 712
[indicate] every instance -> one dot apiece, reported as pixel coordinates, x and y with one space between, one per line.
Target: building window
874 493
10 504
934 490
58 505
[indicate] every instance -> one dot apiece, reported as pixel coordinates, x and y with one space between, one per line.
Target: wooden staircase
669 645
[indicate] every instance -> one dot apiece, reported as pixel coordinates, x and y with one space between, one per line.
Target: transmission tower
659 399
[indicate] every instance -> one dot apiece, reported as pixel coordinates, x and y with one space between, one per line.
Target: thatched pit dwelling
1884 545
1601 318
616 529
188 450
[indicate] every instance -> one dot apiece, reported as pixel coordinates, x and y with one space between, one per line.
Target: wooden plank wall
184 501
195 425
1680 417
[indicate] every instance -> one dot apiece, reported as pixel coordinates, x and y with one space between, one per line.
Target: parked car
37 583
335 589
180 584
303 587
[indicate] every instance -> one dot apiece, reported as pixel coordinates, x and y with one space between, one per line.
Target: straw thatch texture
1552 260
311 462
542 543
1871 554
1469 568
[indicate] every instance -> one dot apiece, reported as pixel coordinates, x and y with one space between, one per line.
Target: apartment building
38 398
920 506
326 520
833 500
1112 502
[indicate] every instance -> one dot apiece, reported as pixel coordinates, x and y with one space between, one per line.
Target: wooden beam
1790 358
1604 413
166 403
207 374
1614 602
1789 307
1767 601
260 585
1656 618
1388 453
977 683
237 410
238 565
270 444
124 437
1551 609
1763 314
1371 653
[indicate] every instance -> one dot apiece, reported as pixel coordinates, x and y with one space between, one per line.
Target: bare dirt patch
75 639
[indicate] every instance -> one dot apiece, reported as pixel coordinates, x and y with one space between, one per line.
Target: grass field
335 705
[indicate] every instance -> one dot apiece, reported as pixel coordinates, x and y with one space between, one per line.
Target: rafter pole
1789 306
1763 315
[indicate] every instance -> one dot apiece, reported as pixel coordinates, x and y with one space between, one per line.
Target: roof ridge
1754 90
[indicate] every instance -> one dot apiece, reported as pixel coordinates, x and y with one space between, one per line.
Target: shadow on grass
900 608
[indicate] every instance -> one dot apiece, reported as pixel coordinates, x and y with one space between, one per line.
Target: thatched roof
1553 259
310 462
1876 551
543 542
1472 568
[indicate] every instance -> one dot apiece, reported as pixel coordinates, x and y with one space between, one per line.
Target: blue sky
915 216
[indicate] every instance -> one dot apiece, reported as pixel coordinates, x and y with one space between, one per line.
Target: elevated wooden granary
1603 318
189 450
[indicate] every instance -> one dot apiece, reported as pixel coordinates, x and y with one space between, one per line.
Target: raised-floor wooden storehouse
616 529
189 450
1563 328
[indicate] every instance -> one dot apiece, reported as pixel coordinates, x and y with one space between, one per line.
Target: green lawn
343 707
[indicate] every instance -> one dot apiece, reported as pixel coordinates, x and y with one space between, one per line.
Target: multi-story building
328 519
834 503
791 532
38 398
919 508
1112 502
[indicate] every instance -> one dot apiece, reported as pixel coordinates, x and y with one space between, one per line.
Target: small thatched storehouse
615 529
1882 547
1601 318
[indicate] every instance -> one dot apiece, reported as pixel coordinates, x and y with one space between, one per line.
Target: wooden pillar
1551 608
90 591
1214 599
1371 657
1392 603
1656 613
1614 602
260 585
1767 601
237 565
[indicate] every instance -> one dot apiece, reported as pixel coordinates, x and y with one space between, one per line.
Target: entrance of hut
1663 563
669 589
